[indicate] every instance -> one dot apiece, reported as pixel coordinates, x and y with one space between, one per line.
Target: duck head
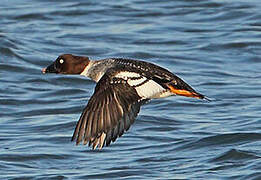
67 64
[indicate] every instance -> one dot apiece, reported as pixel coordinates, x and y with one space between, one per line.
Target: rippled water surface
214 45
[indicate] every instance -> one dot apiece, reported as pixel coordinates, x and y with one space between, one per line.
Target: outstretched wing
109 113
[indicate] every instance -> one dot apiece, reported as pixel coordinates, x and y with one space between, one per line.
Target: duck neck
95 69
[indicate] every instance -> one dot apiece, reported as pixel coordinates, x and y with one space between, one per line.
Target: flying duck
123 85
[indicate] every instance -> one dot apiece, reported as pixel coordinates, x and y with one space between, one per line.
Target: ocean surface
214 45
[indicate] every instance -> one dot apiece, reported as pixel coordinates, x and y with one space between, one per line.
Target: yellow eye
61 61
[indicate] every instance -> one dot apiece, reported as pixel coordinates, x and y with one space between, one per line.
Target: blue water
214 45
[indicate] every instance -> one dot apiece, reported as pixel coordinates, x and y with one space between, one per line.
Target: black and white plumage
111 110
123 85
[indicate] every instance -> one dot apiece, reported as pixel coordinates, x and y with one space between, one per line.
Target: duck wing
109 113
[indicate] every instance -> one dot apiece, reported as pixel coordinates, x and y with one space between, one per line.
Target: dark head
67 64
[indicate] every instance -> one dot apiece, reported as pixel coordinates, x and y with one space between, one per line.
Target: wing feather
100 121
75 134
109 113
82 128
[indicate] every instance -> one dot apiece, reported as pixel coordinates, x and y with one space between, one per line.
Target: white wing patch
150 89
136 82
146 89
126 74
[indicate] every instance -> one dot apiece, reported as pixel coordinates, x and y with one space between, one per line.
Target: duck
123 86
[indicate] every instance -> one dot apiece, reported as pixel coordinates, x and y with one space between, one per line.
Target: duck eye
61 61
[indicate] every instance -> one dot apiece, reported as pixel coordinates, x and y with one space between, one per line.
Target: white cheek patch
149 89
125 75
